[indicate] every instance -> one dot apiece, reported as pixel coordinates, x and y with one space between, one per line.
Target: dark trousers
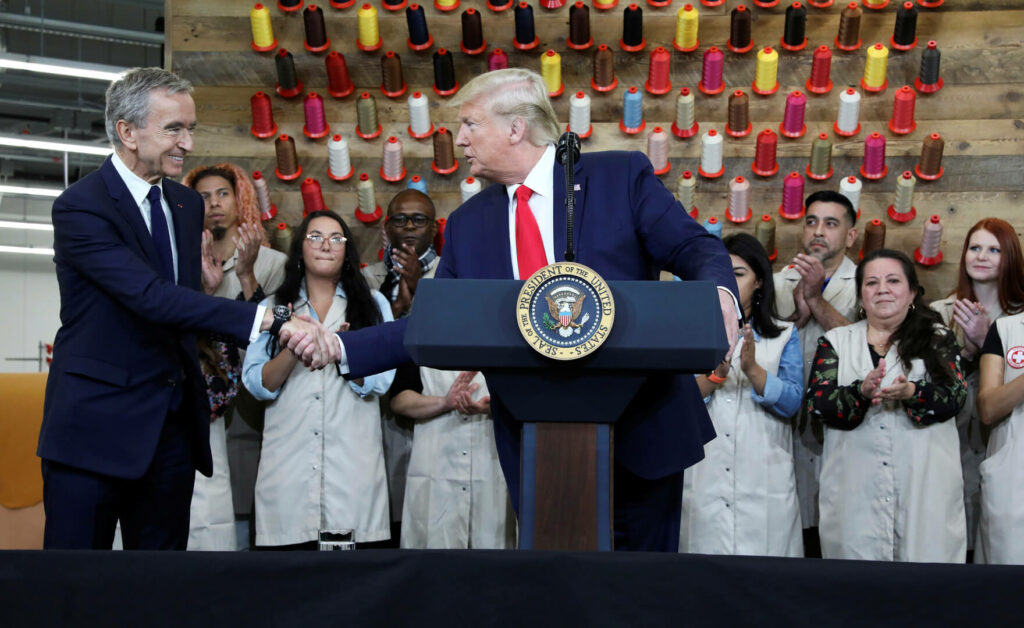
647 512
83 507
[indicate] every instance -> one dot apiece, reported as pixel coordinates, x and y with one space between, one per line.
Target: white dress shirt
541 204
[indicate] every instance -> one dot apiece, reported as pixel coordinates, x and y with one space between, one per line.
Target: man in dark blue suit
628 227
126 417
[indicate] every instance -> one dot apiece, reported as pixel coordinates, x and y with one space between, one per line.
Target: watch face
282 311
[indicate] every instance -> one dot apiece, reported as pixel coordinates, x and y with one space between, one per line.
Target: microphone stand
567 153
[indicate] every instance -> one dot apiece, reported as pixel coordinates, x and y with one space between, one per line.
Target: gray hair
515 92
128 97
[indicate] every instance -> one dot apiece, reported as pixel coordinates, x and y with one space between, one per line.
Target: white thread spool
848 118
339 166
420 125
392 165
711 155
657 150
367 198
469 187
579 115
850 187
739 200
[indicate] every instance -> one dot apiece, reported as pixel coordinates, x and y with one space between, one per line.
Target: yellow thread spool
766 75
551 71
686 29
369 33
262 32
446 5
874 69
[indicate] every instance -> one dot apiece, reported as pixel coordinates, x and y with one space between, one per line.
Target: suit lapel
182 235
129 210
558 187
497 222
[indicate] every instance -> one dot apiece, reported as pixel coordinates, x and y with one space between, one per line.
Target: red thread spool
312 196
263 125
658 81
764 154
821 68
820 4
711 3
552 4
793 121
711 73
792 207
439 236
342 4
930 4
316 121
874 157
497 60
902 121
339 84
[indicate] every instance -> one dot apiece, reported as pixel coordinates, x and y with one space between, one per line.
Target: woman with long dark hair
885 388
322 463
741 499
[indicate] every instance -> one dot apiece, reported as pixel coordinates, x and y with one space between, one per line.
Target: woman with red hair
990 286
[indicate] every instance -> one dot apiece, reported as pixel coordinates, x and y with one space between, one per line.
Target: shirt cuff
772 391
343 362
254 333
735 302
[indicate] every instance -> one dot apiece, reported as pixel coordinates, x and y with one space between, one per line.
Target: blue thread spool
713 226
417 183
526 36
632 121
419 37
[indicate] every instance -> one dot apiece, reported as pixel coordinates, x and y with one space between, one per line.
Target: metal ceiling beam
95 31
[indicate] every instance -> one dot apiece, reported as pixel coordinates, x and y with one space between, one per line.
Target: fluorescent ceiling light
29 226
60 146
26 250
30 191
61 67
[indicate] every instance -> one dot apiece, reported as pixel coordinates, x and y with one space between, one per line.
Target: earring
861 313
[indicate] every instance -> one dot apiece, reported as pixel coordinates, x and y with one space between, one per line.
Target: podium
567 408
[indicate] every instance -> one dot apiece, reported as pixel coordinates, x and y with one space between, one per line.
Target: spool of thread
316 31
444 73
339 84
821 4
281 238
289 5
739 124
633 29
711 72
904 30
792 207
392 82
420 125
551 71
657 150
929 166
263 125
579 115
367 211
344 4
416 182
267 209
848 38
392 167
874 69
766 74
468 188
632 121
686 29
686 186
316 121
711 166
739 210
902 120
339 166
765 150
847 122
392 5
368 39
850 187
473 42
711 3
930 4
439 236
499 5
764 232
820 81
874 166
288 84
820 166
929 253
604 5
658 81
902 209
263 39
419 35
793 120
367 123
526 37
444 153
685 124
604 70
446 5
875 5
713 226
552 4
739 31
579 27
929 81
312 196
497 60
874 237
794 34
288 168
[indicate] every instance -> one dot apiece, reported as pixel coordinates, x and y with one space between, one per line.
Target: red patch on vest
1015 357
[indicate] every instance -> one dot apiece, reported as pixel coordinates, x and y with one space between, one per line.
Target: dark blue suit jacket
628 227
126 334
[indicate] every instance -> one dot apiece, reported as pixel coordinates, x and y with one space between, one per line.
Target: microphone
567 152
569 141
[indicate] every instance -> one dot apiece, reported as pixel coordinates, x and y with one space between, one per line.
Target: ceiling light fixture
24 190
61 67
28 226
26 250
61 146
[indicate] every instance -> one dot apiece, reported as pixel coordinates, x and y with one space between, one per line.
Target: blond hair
515 93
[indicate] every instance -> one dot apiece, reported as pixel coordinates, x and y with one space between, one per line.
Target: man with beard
817 291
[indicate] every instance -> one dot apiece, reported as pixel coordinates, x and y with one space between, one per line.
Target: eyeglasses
401 220
317 240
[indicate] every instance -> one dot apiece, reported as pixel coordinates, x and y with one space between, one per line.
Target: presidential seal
565 311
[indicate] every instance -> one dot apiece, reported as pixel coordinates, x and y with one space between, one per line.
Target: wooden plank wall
979 112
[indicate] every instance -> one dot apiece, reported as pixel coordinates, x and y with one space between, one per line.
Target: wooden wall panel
979 112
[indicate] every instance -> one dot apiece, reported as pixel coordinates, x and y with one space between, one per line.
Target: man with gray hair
126 417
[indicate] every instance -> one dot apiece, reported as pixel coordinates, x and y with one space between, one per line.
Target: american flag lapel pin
576 188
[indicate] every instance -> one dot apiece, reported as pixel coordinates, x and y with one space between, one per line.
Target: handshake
312 343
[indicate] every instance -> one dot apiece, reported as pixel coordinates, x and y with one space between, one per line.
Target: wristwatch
282 314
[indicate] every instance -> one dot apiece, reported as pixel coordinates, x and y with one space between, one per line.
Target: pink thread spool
267 209
874 157
765 164
793 121
711 73
263 125
820 81
739 210
792 207
929 253
316 122
392 166
902 120
658 81
657 151
497 60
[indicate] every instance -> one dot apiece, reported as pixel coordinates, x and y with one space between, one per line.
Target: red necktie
529 245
